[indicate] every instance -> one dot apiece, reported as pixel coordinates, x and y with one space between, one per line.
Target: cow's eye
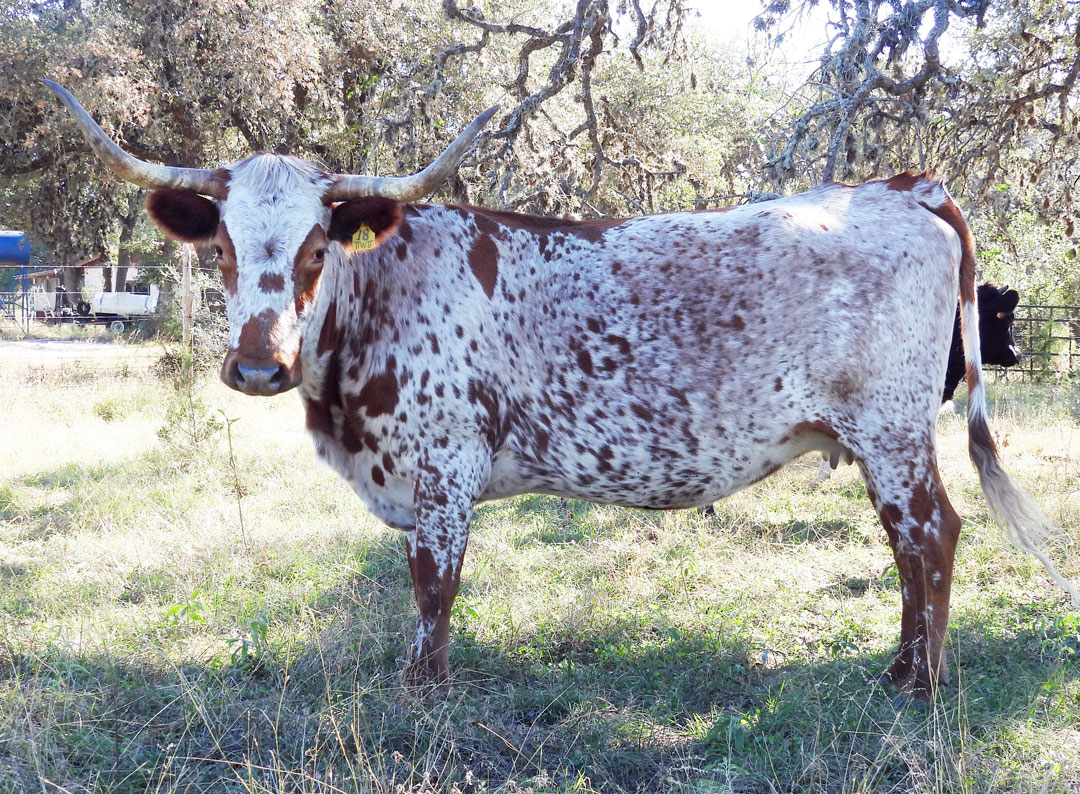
218 252
319 254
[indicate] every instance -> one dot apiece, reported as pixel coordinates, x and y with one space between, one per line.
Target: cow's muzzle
263 378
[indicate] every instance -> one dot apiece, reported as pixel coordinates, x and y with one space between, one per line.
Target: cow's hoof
896 674
911 700
914 690
422 680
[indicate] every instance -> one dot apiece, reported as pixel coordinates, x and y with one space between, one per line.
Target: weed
108 409
190 610
189 422
237 489
9 505
1061 636
251 650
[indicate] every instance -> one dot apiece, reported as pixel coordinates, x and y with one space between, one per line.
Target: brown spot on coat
330 335
584 361
306 270
905 181
317 418
254 342
350 438
592 231
380 394
484 261
271 282
922 502
227 262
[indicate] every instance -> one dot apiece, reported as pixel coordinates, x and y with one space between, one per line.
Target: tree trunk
71 279
127 229
123 261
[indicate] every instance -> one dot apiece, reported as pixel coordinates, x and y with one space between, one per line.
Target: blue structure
15 252
14 249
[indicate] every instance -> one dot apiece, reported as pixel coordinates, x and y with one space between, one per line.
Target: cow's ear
183 214
381 215
1008 300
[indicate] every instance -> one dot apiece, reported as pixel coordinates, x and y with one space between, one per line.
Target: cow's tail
1025 524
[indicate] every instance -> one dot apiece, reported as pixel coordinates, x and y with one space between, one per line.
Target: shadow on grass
550 521
641 706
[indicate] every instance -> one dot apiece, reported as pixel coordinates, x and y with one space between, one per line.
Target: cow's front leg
444 500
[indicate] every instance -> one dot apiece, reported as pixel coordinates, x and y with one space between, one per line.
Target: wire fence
76 364
1048 337
29 309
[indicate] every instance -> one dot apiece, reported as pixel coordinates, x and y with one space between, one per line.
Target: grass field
158 633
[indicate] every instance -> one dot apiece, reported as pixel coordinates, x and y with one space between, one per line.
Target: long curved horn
133 169
409 188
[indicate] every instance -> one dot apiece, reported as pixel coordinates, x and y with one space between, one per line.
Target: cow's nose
261 380
1015 356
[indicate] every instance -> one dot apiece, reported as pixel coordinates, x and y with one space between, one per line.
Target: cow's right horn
410 188
140 172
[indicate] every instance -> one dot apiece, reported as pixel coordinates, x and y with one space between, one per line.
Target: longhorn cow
447 355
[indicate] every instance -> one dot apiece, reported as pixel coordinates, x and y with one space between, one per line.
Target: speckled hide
659 362
620 365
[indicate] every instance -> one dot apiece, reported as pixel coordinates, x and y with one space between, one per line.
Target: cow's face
276 224
996 306
272 237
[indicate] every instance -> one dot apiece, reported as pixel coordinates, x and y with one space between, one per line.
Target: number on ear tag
364 239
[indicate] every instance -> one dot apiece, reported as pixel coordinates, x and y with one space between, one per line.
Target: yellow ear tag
364 239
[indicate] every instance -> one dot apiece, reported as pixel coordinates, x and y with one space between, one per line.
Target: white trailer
118 308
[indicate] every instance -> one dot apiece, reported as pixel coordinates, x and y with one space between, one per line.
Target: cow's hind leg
922 528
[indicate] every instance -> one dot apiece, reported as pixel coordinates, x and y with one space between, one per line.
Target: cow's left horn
131 168
409 188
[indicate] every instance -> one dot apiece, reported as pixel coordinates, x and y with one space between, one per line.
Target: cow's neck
346 337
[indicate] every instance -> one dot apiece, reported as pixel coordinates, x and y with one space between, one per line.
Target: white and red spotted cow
475 354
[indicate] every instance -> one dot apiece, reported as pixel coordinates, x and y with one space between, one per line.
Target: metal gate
1047 338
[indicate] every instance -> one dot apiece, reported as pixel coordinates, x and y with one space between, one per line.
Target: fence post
186 300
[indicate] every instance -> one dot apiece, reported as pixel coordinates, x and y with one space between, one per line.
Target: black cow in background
996 340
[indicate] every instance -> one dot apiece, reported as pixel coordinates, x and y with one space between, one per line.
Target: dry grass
148 645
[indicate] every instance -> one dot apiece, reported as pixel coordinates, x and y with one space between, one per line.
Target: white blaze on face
273 205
